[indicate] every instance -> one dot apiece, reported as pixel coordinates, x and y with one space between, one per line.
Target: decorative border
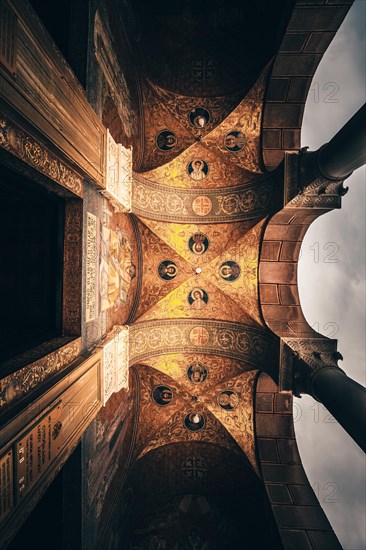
72 272
172 204
15 386
24 146
248 344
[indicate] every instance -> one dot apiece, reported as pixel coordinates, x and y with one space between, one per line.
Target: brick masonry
300 519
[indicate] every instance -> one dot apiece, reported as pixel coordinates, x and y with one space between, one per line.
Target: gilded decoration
23 381
237 412
215 171
196 409
186 109
238 136
235 272
152 414
199 298
21 144
163 269
176 289
227 204
175 431
181 366
199 244
159 124
245 343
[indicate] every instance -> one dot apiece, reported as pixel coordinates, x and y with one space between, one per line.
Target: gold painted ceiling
197 337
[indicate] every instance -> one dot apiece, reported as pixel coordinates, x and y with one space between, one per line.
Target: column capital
302 359
305 186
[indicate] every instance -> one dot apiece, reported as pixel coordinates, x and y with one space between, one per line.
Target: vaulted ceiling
201 199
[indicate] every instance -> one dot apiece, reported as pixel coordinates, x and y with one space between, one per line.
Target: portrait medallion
234 141
167 270
228 400
166 140
162 395
198 298
194 421
197 169
229 271
198 244
197 373
199 117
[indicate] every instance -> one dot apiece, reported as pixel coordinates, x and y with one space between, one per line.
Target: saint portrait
194 421
162 395
166 140
116 267
197 373
197 169
167 270
198 298
199 117
198 243
234 141
229 271
228 400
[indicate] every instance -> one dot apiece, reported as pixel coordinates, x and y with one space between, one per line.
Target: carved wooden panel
8 33
47 94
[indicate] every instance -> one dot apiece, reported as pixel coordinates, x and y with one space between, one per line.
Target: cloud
332 293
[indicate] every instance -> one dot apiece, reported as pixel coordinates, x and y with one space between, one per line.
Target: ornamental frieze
24 146
249 344
19 384
156 202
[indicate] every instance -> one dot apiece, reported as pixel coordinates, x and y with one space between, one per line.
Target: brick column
300 519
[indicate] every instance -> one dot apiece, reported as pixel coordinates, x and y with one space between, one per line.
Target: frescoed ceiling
201 198
197 337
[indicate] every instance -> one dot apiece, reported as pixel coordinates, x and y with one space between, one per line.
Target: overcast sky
332 286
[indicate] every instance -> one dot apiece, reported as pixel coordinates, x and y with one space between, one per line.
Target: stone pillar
346 151
344 398
309 365
336 160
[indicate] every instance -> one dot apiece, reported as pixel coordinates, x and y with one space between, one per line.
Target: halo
227 276
202 251
174 267
199 290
